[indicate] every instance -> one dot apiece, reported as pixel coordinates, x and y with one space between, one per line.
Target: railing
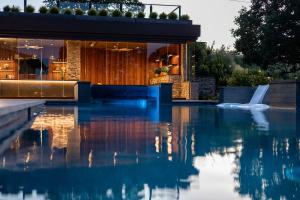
88 4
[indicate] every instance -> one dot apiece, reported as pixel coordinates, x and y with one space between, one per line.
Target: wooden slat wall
114 67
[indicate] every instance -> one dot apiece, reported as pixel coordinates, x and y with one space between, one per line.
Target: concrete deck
8 106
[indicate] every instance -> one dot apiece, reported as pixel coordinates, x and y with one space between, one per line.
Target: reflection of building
113 52
98 151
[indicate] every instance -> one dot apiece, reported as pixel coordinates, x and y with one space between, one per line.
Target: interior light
170 55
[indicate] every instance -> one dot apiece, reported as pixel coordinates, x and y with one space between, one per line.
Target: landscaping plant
29 9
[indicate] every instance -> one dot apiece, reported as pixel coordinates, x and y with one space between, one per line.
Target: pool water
134 150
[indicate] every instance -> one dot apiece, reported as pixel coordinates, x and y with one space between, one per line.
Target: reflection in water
116 152
260 120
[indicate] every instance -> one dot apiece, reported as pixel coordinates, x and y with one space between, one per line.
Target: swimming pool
135 150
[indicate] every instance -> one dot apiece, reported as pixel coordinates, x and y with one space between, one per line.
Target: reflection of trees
263 163
263 157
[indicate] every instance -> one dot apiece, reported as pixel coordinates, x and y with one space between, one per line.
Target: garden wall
283 94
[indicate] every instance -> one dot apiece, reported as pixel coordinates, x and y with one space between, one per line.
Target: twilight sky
215 16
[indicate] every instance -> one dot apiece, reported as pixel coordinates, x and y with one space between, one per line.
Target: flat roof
59 26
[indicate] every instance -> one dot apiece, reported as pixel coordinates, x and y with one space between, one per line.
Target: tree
269 32
213 62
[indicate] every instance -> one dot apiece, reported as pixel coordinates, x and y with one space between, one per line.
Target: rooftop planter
96 17
94 12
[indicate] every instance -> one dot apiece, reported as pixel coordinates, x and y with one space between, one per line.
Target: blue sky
215 16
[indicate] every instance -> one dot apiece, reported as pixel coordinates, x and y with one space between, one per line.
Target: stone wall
73 60
203 88
178 88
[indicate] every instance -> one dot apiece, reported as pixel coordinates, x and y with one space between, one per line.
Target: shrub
157 70
141 15
153 15
78 11
68 11
43 10
173 16
185 17
15 9
128 14
284 71
103 12
165 69
248 78
92 12
6 8
29 9
54 10
163 16
116 13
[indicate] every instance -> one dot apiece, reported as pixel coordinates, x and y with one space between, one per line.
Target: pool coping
8 106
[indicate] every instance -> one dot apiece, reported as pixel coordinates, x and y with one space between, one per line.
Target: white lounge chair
255 102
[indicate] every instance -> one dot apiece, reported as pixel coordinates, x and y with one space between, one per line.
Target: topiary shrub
78 11
43 10
29 9
185 17
68 11
103 12
163 16
92 12
128 14
15 9
153 15
116 13
141 15
54 10
173 16
6 8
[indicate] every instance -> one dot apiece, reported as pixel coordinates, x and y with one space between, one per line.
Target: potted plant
68 11
141 15
173 16
153 15
128 14
164 70
43 10
6 8
54 10
29 9
92 12
116 13
157 71
15 9
103 13
78 11
185 17
163 16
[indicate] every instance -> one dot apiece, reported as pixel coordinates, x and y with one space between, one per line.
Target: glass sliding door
34 68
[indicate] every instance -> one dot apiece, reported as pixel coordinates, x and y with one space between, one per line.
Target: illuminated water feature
139 151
